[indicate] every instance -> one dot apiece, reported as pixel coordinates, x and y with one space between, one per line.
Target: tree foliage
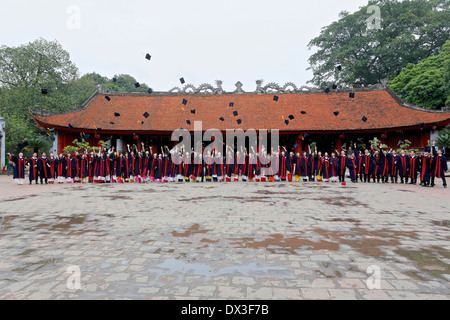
426 83
410 31
42 64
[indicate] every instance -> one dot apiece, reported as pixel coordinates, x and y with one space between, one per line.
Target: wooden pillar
338 145
299 144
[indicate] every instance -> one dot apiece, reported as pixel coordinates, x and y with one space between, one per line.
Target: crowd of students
139 166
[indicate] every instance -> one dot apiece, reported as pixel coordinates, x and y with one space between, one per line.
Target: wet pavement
224 241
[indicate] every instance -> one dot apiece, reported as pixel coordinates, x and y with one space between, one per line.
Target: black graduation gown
19 167
34 170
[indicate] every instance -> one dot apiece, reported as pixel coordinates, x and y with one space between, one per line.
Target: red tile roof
383 109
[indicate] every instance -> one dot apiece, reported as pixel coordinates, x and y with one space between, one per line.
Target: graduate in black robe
19 163
44 168
439 167
414 167
34 170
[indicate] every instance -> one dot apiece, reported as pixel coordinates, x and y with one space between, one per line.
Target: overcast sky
200 40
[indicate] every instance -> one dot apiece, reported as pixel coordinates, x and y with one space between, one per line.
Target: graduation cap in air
52 130
334 86
239 121
86 137
286 121
185 102
112 122
336 113
339 67
421 125
99 129
275 98
193 111
404 93
291 117
108 98
52 138
70 126
364 119
150 91
351 95
235 113
114 79
116 114
303 112
146 115
295 145
44 91
222 119
399 143
137 84
188 121
231 104
327 90
305 135
148 56
182 80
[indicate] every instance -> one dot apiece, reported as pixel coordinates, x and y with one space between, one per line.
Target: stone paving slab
287 241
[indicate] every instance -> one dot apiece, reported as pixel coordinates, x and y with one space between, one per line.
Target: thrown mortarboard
421 125
142 122
193 111
305 135
116 114
86 137
222 119
148 56
231 104
112 122
286 121
239 121
70 126
99 129
150 91
291 117
351 95
182 80
364 119
114 79
275 98
334 86
399 143
303 112
404 93
53 138
108 98
137 84
339 67
146 115
327 90
336 113
44 91
235 113
52 130
185 102
295 145
188 121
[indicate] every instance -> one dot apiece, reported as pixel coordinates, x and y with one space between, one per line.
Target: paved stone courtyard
224 241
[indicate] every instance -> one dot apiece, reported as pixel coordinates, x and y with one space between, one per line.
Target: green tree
426 83
410 31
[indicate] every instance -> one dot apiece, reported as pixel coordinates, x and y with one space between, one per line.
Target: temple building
332 118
